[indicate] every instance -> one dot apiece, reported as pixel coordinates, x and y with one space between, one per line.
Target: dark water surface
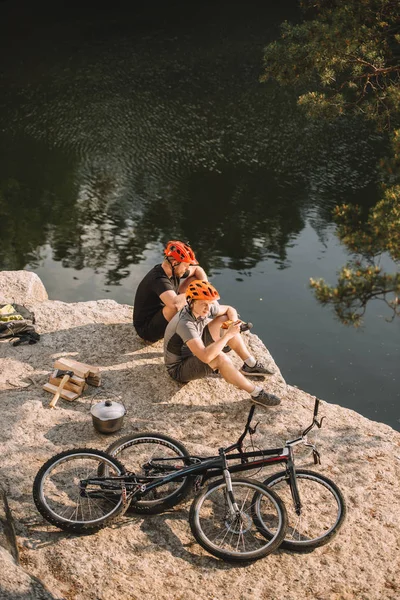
122 127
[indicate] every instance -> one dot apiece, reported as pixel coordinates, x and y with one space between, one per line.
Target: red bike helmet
181 252
201 290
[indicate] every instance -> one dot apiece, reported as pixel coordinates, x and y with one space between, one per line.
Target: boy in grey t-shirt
193 347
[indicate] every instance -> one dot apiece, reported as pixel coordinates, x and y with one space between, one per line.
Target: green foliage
357 285
348 53
344 58
379 233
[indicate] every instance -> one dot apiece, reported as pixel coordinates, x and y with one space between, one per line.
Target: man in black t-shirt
161 293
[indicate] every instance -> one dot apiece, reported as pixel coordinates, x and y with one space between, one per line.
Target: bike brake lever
316 456
252 430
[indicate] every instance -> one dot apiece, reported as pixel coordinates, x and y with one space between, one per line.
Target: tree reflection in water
148 134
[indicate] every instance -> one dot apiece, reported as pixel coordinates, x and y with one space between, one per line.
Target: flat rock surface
156 556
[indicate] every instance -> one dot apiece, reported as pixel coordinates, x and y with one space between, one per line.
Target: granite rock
147 557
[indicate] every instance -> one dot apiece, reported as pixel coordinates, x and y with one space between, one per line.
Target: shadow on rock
160 533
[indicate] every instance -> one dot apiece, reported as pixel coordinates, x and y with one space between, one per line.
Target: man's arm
195 272
198 272
229 311
173 300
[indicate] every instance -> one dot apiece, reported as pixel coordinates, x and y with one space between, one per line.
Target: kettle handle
106 393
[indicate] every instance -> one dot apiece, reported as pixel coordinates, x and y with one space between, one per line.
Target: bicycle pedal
197 484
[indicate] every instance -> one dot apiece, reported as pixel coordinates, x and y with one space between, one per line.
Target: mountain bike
315 505
83 490
234 519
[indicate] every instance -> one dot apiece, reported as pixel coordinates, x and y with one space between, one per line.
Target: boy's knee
222 359
219 319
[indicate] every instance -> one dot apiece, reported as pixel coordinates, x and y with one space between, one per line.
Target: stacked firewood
70 378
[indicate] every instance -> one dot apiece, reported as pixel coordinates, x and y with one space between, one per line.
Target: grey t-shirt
182 328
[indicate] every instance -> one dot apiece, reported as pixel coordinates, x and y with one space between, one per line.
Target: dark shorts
192 368
153 330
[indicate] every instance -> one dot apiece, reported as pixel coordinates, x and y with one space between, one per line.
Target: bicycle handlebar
316 407
249 429
315 420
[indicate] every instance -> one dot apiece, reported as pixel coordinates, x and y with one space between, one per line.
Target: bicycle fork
291 471
232 504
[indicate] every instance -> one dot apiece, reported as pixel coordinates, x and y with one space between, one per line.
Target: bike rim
164 492
231 530
321 510
60 490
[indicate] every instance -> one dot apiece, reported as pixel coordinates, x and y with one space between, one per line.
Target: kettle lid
107 410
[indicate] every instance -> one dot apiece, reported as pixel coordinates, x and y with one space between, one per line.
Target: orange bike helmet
181 252
201 290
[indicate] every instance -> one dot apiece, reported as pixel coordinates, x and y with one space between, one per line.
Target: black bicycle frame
208 468
214 466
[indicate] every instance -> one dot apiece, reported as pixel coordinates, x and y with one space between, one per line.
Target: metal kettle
108 416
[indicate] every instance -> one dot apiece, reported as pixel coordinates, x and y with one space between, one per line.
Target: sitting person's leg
230 373
193 368
250 366
236 343
190 369
169 312
153 330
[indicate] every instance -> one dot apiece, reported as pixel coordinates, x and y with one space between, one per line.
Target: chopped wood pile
70 378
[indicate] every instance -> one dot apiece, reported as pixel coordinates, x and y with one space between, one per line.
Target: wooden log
65 364
66 394
93 370
70 385
95 381
79 381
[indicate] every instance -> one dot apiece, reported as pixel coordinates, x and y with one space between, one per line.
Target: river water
122 127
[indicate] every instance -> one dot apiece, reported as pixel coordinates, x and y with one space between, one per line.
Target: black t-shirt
147 299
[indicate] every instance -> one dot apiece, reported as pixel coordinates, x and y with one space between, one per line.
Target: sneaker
265 399
257 371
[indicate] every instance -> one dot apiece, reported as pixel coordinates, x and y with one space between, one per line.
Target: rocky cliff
157 557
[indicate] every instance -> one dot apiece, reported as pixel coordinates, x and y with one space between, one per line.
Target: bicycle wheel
322 514
234 536
166 455
62 498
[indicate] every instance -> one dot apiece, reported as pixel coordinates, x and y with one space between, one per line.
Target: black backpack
16 321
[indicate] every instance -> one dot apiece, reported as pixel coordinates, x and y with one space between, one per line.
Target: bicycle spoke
237 535
322 509
64 496
153 457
